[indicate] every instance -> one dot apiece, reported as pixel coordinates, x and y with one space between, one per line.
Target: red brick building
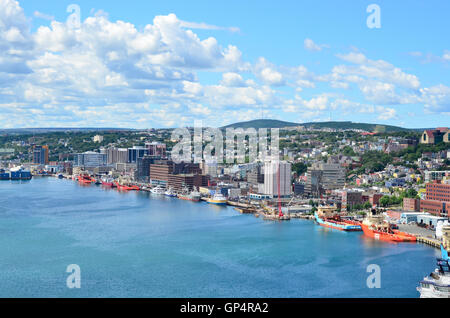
375 198
350 199
438 191
438 199
411 204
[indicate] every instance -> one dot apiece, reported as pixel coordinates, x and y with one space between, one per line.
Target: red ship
85 179
376 227
108 183
126 187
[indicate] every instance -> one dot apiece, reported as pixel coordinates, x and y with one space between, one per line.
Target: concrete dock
423 235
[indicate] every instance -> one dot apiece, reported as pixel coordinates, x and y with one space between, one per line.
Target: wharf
301 216
272 217
239 204
429 241
423 235
245 210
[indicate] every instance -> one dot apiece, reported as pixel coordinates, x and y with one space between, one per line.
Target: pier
423 235
429 241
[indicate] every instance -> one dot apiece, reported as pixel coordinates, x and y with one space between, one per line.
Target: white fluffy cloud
436 99
446 55
310 45
113 73
378 70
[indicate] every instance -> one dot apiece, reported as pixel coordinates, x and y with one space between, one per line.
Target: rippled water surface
141 245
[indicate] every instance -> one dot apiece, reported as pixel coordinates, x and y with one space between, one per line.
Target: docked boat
437 284
217 199
375 226
108 183
158 190
170 193
85 179
327 216
190 196
125 187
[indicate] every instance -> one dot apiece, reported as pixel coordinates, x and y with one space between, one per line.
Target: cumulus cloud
436 99
232 79
432 58
386 113
311 46
268 73
44 16
375 69
205 26
15 43
446 55
105 73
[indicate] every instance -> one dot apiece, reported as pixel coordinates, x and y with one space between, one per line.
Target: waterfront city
200 149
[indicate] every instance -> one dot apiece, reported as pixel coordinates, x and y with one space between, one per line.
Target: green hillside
262 123
352 125
271 123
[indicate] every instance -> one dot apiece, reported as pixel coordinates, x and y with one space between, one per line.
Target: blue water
141 245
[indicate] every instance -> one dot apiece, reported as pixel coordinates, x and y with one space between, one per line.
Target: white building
271 174
90 159
117 155
98 138
209 168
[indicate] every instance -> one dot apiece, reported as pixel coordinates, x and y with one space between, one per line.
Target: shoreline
423 236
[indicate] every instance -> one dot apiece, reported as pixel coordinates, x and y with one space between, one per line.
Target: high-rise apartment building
324 176
117 155
90 159
156 149
135 153
40 155
273 172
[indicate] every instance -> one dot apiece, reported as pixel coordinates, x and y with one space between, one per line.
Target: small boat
170 193
85 179
217 199
376 227
158 190
60 176
327 216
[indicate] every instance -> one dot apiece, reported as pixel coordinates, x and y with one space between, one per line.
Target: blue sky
172 62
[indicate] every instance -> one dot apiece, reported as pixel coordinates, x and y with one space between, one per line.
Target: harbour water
135 244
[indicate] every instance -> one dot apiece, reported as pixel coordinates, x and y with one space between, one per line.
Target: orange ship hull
127 188
85 180
396 236
188 199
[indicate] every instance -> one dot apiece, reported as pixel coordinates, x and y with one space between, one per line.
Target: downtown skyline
144 65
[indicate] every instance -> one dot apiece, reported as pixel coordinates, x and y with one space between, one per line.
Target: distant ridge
271 123
262 123
49 130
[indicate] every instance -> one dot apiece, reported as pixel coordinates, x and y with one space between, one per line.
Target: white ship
158 190
437 285
170 193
